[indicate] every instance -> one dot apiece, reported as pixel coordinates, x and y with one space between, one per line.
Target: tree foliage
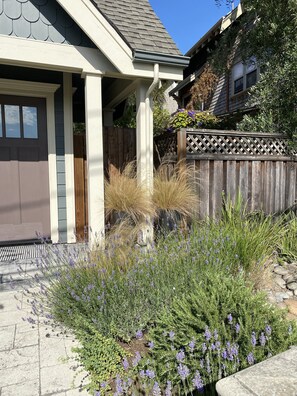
268 30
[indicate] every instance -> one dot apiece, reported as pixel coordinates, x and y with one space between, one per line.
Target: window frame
245 74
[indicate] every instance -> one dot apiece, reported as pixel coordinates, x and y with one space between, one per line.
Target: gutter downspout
147 232
150 126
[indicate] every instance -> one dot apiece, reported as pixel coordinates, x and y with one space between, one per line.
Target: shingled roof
137 22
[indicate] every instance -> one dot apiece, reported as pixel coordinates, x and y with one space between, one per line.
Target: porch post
144 148
95 167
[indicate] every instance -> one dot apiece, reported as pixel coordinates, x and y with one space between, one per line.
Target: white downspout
150 127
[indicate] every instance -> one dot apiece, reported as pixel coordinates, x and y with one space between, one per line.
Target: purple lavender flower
253 339
180 356
151 345
207 334
139 334
141 373
183 371
103 384
156 389
136 359
97 393
230 318
119 386
268 330
171 335
197 382
237 328
201 363
224 354
125 364
168 390
150 373
250 358
218 345
215 334
192 345
262 339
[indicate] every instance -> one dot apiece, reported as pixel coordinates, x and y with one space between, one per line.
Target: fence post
182 145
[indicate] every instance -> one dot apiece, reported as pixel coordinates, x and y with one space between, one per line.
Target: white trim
99 30
52 56
42 90
18 51
95 164
69 157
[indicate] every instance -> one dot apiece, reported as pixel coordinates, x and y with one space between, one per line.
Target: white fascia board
100 31
51 56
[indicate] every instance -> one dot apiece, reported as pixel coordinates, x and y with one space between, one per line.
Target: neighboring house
231 93
63 61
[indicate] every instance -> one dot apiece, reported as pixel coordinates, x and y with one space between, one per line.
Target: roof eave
165 59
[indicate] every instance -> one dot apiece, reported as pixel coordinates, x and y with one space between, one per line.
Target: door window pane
12 121
1 131
30 122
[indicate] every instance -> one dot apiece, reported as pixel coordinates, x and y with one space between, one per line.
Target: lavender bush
219 328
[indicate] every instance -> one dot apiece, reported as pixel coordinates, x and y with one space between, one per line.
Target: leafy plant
192 119
219 327
101 357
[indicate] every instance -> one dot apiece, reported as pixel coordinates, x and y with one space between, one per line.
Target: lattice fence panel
237 145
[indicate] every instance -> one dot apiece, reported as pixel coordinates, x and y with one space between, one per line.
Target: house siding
25 74
40 20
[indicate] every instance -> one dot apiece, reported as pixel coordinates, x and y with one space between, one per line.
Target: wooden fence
261 166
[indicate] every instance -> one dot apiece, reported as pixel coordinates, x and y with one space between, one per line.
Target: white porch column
144 135
95 167
69 156
144 149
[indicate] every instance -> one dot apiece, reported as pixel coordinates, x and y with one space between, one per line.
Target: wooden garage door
24 184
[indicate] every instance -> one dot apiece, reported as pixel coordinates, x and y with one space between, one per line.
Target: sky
188 20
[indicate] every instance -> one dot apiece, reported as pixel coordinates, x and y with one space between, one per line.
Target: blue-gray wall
25 74
43 20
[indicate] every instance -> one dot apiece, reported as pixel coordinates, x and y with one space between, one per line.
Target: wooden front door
24 180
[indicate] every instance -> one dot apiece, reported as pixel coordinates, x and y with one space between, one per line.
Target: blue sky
188 20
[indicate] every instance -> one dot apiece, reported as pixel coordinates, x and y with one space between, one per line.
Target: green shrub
101 357
193 119
255 235
218 328
288 243
120 295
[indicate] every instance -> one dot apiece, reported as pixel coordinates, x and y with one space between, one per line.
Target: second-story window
244 75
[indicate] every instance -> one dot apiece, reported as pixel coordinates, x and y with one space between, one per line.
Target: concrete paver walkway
34 361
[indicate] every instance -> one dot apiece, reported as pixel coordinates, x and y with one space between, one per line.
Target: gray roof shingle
137 22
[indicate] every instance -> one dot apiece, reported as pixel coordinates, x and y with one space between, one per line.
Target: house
63 61
231 92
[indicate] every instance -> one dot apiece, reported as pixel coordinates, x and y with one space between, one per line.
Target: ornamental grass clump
175 191
125 196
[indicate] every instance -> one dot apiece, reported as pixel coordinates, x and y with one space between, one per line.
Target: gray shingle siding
40 20
137 22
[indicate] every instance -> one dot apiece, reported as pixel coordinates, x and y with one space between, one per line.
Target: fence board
262 167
